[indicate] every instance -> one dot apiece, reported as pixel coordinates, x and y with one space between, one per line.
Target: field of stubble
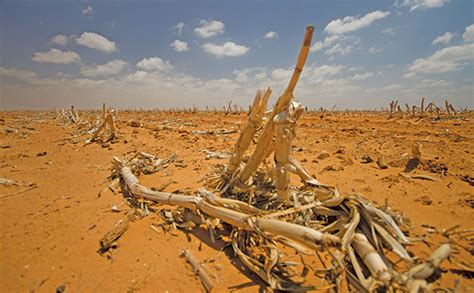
50 234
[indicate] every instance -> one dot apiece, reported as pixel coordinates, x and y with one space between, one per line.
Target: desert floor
50 234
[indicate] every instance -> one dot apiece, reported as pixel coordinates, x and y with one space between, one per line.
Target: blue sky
158 54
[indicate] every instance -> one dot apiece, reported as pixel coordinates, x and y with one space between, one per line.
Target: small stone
323 155
115 208
425 200
105 145
135 123
333 168
381 163
61 289
340 151
347 162
367 159
41 154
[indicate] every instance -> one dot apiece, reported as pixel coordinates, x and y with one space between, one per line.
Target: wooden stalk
267 134
248 132
304 235
371 258
446 104
285 123
422 106
303 173
197 268
109 120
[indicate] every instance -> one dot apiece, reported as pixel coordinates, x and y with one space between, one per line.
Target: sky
163 54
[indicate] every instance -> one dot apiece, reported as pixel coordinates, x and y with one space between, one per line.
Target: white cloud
362 76
317 74
229 49
352 23
393 87
96 41
271 35
445 60
328 41
282 74
179 46
110 68
468 35
340 49
434 83
373 50
336 83
421 4
409 75
154 63
19 74
56 56
209 28
389 31
250 74
445 39
178 28
60 40
88 10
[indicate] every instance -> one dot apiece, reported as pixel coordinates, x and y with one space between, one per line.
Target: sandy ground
50 234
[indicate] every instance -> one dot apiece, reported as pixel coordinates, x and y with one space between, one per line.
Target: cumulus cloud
468 35
446 60
110 68
445 39
319 86
96 41
271 35
282 74
56 56
228 49
362 76
88 11
340 49
318 74
421 4
373 50
19 74
179 46
154 64
178 28
409 75
209 28
352 23
434 83
60 40
393 87
328 41
250 74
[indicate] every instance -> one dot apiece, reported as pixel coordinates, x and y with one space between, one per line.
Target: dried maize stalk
109 120
304 235
371 258
285 123
283 102
303 173
248 132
